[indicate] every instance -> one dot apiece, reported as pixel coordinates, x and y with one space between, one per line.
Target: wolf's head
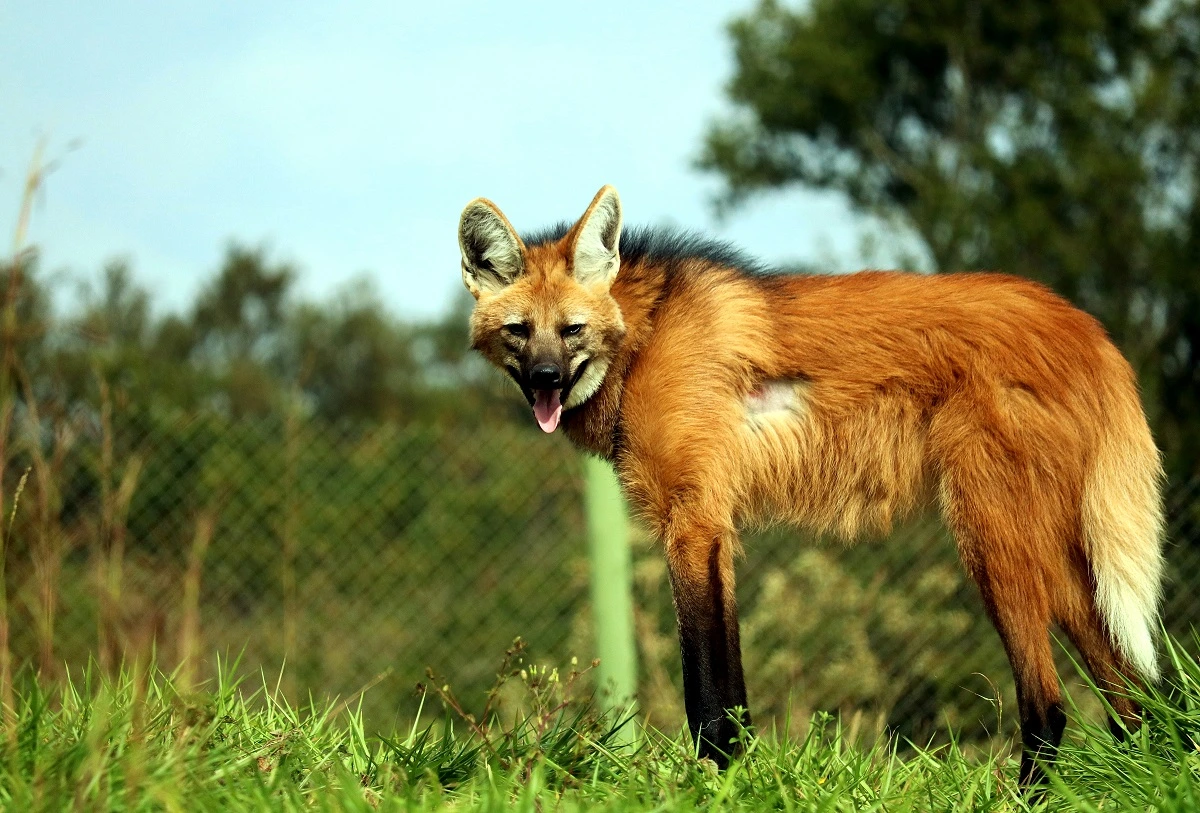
544 313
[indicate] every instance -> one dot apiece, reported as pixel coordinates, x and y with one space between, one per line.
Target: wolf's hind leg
702 583
1077 614
1016 577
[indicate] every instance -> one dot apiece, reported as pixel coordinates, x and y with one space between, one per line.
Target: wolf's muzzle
546 377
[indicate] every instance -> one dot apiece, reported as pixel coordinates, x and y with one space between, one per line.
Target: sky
347 137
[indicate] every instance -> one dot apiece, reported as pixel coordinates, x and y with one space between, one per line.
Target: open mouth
548 404
547 408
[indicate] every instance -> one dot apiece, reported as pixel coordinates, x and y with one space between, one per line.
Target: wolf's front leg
702 581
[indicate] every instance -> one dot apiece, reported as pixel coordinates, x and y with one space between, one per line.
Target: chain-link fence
362 554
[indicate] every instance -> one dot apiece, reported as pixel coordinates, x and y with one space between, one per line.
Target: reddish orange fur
983 395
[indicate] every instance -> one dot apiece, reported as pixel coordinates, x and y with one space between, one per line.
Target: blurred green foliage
250 346
367 483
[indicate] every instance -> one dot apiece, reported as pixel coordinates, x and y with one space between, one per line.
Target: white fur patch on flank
778 398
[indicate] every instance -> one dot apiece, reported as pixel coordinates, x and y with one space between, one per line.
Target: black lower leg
1041 733
1129 719
712 730
713 682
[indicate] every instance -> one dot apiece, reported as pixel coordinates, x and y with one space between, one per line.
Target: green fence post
612 586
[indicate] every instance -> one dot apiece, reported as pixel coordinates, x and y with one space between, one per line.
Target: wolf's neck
594 425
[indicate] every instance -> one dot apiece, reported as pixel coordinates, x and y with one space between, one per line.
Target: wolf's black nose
545 377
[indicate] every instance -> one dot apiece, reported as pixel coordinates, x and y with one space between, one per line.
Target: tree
1054 140
351 359
237 328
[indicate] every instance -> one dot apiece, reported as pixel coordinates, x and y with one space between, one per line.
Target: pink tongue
547 408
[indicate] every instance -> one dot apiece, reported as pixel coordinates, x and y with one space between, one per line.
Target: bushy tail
1123 526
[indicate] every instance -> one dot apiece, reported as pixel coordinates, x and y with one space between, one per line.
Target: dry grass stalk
109 553
189 628
9 364
8 709
288 533
50 548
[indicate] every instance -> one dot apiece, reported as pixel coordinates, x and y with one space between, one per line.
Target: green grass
137 742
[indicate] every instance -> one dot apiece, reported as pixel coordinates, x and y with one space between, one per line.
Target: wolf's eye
572 330
517 329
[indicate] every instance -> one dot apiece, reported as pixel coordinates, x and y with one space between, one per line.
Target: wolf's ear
492 254
596 254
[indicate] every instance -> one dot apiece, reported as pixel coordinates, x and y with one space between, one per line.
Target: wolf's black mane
665 244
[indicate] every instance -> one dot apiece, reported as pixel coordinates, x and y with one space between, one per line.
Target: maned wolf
723 393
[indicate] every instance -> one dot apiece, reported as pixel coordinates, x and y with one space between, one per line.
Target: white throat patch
588 383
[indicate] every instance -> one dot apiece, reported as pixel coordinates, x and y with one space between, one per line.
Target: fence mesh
363 554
